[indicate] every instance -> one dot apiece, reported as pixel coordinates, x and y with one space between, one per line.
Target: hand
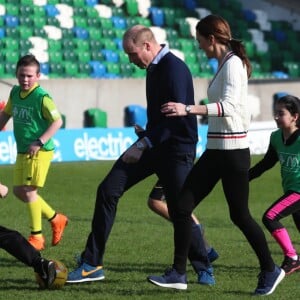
132 155
138 129
3 190
34 148
173 109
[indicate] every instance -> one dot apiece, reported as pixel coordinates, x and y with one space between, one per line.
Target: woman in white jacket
227 155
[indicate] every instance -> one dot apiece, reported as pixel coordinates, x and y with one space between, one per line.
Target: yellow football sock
35 215
47 210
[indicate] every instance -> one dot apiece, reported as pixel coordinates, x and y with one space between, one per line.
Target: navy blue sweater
170 80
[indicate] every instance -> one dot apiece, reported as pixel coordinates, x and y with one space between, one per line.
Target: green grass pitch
140 243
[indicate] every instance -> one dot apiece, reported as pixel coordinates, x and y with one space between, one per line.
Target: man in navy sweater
166 148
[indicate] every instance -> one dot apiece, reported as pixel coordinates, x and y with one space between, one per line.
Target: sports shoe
86 273
290 265
206 277
58 225
47 272
212 255
37 241
268 281
171 279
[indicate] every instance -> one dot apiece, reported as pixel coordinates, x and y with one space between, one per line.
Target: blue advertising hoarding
86 144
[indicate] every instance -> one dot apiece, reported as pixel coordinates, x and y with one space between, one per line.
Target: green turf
141 242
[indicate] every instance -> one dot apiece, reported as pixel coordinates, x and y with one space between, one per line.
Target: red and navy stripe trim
227 135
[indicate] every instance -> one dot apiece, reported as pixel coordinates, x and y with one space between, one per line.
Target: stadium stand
135 114
88 34
95 117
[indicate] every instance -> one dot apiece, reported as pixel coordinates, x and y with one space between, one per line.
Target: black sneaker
47 272
290 265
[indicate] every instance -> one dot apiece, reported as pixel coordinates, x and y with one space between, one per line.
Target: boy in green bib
35 121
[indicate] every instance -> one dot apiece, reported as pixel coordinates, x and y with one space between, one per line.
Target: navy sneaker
171 279
206 277
290 265
268 281
85 273
212 255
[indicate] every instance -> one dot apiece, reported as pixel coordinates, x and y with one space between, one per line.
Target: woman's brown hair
220 29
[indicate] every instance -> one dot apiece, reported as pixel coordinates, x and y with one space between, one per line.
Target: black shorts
157 192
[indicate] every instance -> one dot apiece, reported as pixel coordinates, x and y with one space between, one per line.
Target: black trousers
170 166
16 245
231 167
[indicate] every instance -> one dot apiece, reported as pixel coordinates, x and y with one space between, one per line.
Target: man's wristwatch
40 143
188 109
140 145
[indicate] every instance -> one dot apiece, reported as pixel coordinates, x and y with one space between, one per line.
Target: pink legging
288 204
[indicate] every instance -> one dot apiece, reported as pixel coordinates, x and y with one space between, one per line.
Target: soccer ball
60 278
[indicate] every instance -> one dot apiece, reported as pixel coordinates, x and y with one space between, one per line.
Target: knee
25 193
103 194
108 191
19 192
106 198
151 204
158 207
267 222
240 221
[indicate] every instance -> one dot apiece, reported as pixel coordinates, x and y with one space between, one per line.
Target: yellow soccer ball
60 278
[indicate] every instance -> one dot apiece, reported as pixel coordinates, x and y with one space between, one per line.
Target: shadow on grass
8 262
25 284
131 288
138 267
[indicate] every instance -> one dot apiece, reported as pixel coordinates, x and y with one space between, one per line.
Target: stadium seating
132 7
44 67
56 69
84 70
157 16
135 114
95 117
71 68
126 69
93 30
98 69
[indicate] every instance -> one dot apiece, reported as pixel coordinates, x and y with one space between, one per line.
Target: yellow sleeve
7 108
49 110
